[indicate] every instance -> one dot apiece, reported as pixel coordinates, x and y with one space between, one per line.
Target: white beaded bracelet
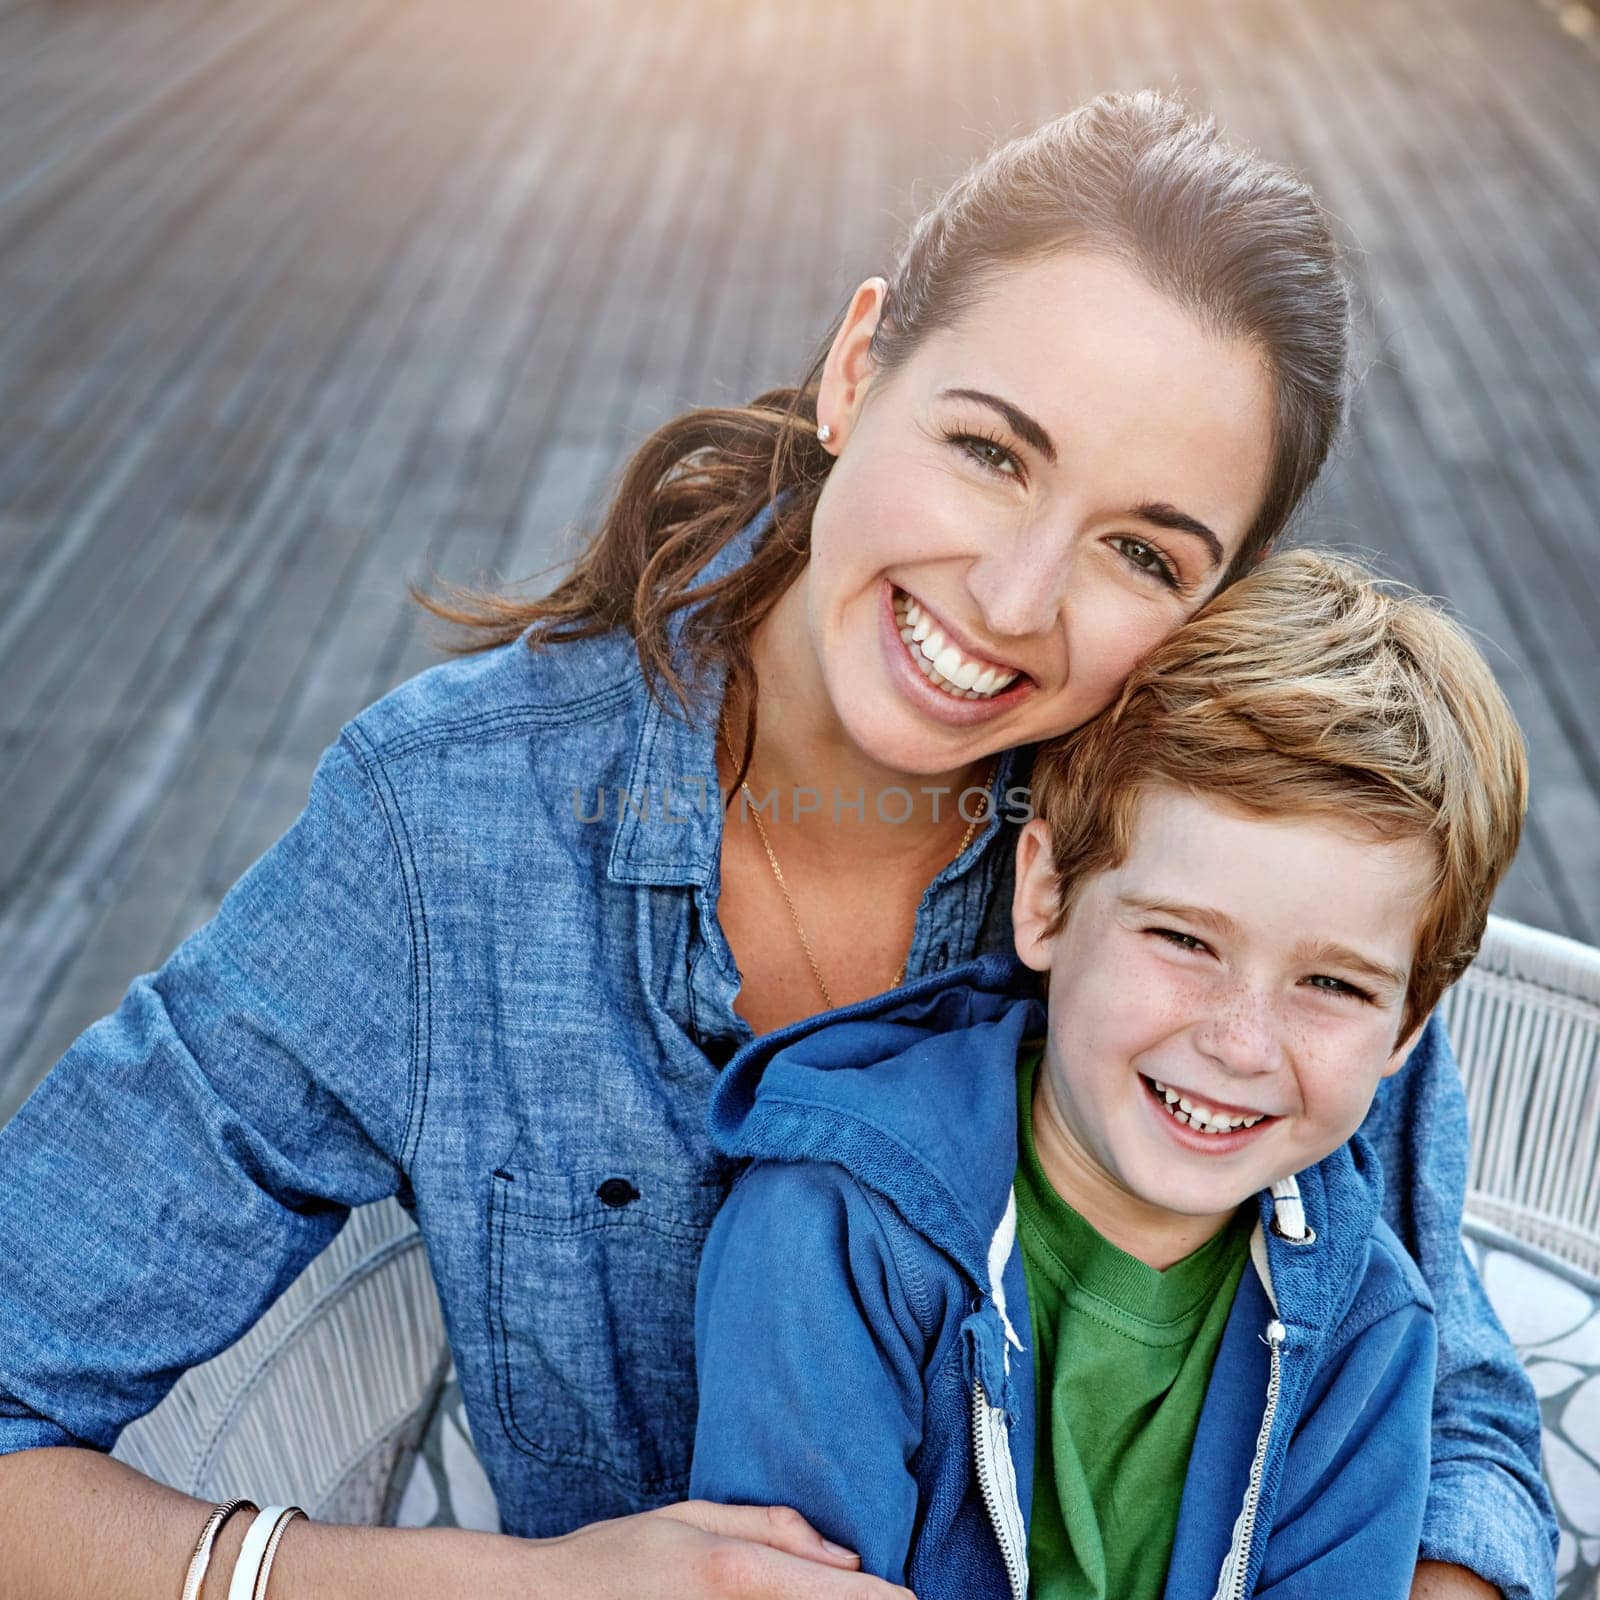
254 1566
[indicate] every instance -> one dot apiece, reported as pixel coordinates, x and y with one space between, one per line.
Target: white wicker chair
360 1335
325 1399
1525 1023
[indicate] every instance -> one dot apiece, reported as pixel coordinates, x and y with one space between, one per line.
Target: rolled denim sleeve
1488 1508
194 1150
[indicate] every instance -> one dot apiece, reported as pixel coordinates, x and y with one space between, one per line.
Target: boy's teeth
1202 1117
940 662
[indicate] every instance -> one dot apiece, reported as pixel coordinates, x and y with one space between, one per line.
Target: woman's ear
1036 896
848 371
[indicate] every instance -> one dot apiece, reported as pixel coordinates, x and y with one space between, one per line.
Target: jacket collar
668 826
931 1126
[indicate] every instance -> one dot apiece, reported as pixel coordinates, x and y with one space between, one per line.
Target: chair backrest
324 1397
1525 1023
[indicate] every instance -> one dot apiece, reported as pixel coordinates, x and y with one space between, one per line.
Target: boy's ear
1034 900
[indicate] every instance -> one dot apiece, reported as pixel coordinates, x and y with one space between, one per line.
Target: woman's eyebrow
1025 428
1165 516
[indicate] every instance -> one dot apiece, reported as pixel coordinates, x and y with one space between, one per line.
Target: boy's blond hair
1307 689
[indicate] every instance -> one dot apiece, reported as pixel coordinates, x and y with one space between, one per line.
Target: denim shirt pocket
591 1308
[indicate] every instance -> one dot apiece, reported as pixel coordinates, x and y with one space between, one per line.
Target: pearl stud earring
824 433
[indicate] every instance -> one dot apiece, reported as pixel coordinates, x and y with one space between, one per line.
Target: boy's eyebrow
1032 433
1341 955
1202 916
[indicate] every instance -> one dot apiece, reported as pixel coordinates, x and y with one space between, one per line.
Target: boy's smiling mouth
1191 1112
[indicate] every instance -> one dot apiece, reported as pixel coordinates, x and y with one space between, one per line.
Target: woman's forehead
1110 376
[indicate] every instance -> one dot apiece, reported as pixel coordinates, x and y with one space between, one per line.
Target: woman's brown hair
1236 240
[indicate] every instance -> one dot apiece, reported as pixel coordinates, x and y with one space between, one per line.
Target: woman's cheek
1107 639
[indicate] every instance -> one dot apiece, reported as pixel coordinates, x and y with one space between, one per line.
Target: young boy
1183 1335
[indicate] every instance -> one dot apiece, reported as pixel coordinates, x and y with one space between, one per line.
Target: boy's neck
1158 1237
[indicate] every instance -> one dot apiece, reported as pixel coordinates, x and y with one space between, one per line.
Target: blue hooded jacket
863 1337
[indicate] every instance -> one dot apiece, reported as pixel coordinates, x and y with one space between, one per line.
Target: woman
495 965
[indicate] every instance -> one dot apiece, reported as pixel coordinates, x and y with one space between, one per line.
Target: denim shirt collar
669 831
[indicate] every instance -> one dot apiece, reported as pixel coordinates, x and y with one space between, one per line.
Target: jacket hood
913 1092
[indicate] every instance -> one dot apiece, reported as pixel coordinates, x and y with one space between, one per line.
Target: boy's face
1253 967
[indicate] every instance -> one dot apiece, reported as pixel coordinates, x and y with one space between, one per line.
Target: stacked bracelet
201 1559
254 1566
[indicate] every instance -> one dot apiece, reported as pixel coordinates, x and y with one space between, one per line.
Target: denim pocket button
617 1192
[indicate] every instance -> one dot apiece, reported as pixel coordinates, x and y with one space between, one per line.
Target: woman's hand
701 1551
1438 1580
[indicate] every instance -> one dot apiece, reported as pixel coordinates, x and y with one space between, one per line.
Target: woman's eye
989 453
1146 557
1322 981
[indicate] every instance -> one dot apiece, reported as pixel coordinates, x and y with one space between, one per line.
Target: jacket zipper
1235 1570
993 1484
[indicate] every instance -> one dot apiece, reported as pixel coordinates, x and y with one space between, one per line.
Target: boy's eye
1184 941
1146 558
1321 980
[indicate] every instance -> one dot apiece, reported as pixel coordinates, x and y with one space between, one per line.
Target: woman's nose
1021 590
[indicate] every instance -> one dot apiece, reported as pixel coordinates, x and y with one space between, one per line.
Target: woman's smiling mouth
941 661
925 684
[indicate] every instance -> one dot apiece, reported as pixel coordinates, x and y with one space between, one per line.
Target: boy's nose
1242 1035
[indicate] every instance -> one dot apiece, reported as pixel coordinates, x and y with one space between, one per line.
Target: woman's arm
1442 1580
172 1176
193 1151
79 1526
1488 1509
810 1361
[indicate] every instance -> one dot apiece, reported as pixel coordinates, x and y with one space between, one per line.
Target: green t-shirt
1117 1412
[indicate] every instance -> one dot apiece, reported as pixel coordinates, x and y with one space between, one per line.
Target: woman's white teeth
1203 1118
940 662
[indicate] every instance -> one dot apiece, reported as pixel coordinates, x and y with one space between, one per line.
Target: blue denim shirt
484 972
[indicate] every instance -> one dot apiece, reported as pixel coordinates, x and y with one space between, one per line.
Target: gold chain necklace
777 871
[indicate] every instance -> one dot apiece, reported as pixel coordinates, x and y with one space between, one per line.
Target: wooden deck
302 298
